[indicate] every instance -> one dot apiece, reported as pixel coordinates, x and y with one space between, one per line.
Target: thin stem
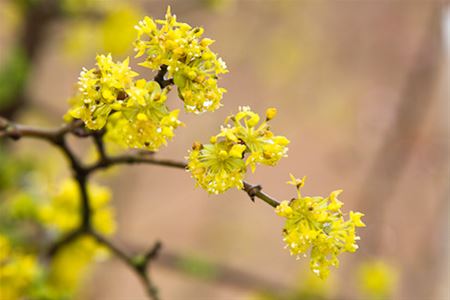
133 159
106 161
140 267
81 174
85 209
98 141
159 78
70 237
256 191
17 131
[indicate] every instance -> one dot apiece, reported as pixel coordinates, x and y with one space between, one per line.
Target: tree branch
140 263
67 239
80 174
159 78
134 159
16 131
256 191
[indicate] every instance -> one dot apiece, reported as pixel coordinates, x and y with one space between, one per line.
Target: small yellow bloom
284 210
18 271
237 150
316 224
216 168
377 280
271 113
63 211
192 65
356 218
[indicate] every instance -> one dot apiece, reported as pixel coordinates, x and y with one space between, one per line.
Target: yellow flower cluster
243 141
189 61
76 257
17 271
134 111
100 88
377 279
22 277
317 223
63 214
63 211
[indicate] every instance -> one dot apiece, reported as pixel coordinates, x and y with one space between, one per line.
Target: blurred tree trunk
389 164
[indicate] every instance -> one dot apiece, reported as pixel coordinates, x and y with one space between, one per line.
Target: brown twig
81 173
159 78
109 161
67 239
138 263
256 191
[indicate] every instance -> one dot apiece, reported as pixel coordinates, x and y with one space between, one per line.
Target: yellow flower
217 167
70 266
377 280
63 211
271 113
316 224
242 142
262 146
99 88
18 271
134 112
189 61
284 209
145 121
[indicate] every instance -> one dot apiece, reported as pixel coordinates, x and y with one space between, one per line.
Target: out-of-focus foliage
12 170
77 257
316 224
196 266
11 13
113 33
18 270
82 6
308 287
377 280
62 211
117 30
30 216
13 76
217 5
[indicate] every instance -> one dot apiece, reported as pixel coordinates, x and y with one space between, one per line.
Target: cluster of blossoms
62 214
62 211
23 276
17 270
135 112
189 61
317 223
243 141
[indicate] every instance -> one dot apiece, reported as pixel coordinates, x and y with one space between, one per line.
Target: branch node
12 132
160 77
153 253
252 190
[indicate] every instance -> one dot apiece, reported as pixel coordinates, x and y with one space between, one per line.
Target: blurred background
362 92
